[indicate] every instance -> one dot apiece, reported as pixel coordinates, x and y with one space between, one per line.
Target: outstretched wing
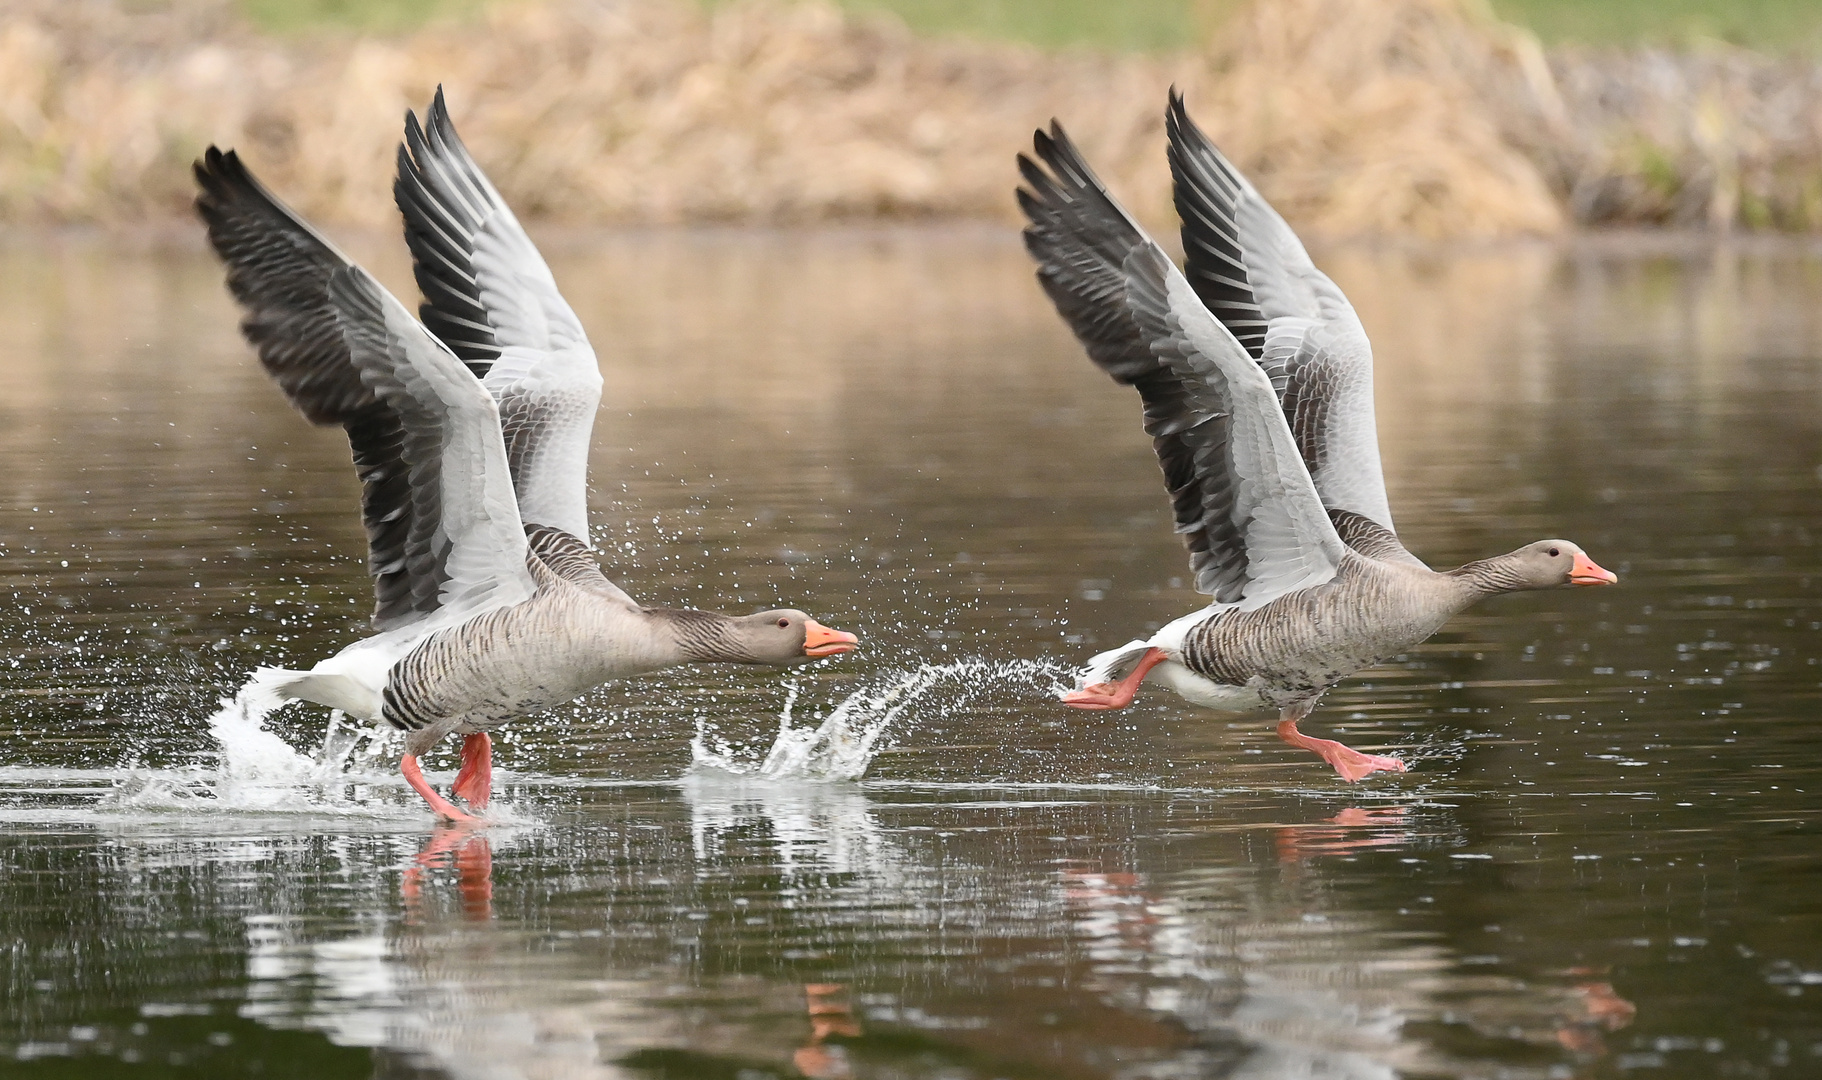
491 298
1254 275
1244 502
443 532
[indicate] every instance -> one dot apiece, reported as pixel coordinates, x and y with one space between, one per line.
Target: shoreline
1419 118
177 235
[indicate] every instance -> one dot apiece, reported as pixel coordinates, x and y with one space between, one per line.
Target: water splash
256 770
250 752
846 741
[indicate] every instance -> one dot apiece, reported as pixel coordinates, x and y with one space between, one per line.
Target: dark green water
1606 861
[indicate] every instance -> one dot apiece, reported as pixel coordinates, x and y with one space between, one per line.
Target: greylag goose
1257 384
472 453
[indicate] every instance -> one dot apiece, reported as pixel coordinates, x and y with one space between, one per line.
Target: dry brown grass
1355 116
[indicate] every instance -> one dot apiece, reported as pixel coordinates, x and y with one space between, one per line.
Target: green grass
365 16
1779 26
1135 25
1143 25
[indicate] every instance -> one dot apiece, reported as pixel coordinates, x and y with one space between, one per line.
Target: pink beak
1585 572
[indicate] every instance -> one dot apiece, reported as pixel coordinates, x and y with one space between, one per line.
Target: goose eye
784 622
1554 553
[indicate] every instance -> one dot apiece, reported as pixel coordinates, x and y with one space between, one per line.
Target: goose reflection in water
1294 987
726 926
831 1017
471 852
1353 829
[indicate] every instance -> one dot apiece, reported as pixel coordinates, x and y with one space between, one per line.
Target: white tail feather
272 686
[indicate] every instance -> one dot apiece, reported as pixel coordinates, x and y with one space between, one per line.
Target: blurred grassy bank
1773 26
1402 117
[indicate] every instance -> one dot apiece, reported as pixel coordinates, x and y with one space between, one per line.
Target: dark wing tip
225 179
1050 144
438 116
414 133
1188 140
1176 114
216 172
442 126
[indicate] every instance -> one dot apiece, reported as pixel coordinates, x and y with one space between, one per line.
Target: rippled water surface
1605 860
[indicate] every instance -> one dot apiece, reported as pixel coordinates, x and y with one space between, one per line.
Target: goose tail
274 686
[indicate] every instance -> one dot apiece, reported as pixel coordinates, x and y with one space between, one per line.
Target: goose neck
700 637
1490 577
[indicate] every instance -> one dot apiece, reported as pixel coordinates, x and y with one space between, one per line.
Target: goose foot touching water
1257 384
473 784
470 432
443 808
1351 764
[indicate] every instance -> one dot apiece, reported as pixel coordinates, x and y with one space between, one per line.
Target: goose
1257 385
470 433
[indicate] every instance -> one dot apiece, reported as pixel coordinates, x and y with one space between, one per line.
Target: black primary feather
445 204
1207 191
1100 270
307 307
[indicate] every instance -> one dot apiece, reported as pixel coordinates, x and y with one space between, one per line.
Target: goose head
788 636
1547 564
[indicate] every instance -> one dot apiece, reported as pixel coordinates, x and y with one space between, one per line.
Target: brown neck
703 637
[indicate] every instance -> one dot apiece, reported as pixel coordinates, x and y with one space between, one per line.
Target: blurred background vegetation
1778 26
1431 118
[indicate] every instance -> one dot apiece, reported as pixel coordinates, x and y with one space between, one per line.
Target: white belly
1207 693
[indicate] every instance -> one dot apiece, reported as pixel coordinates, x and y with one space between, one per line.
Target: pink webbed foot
1115 695
441 806
475 782
1351 764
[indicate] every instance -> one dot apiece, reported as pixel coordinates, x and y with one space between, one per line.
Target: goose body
1256 380
471 443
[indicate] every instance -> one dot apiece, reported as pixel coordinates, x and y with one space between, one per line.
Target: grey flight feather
1255 276
443 534
1244 501
490 296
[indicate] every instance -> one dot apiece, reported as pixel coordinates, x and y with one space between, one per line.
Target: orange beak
820 641
1585 572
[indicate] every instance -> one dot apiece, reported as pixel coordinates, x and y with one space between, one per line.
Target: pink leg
444 840
475 782
1351 764
1115 695
443 807
474 866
